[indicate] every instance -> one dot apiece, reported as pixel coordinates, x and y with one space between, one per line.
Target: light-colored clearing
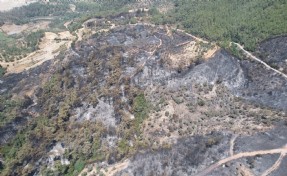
210 53
109 171
11 29
189 53
73 7
139 9
50 46
192 50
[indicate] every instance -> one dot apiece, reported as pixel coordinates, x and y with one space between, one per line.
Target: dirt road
281 151
232 141
275 165
250 55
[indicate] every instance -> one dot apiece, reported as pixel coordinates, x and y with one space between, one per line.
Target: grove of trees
244 21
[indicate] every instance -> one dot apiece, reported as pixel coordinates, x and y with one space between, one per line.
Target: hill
103 91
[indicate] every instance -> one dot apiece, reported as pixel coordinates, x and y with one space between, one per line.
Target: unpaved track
232 141
281 151
193 36
151 54
158 46
275 165
248 54
50 47
178 30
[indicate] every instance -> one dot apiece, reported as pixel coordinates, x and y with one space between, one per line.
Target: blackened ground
104 73
192 155
273 51
184 158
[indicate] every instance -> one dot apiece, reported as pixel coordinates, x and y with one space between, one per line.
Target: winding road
275 166
281 151
250 55
232 141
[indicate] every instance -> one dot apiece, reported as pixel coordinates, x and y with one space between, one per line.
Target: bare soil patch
10 28
50 46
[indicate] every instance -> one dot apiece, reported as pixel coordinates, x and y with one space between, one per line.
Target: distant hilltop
6 5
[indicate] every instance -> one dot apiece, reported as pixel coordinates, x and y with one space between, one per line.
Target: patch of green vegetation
235 51
14 152
123 146
141 109
133 21
11 48
79 165
5 39
245 22
62 11
9 109
7 46
2 71
33 39
25 14
201 102
177 100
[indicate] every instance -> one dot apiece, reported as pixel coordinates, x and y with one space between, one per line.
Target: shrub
133 21
177 100
79 165
140 107
2 71
166 114
201 102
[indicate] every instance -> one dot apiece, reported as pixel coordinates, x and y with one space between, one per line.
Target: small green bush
201 102
79 165
2 71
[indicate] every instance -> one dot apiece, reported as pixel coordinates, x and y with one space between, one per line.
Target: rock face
196 105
